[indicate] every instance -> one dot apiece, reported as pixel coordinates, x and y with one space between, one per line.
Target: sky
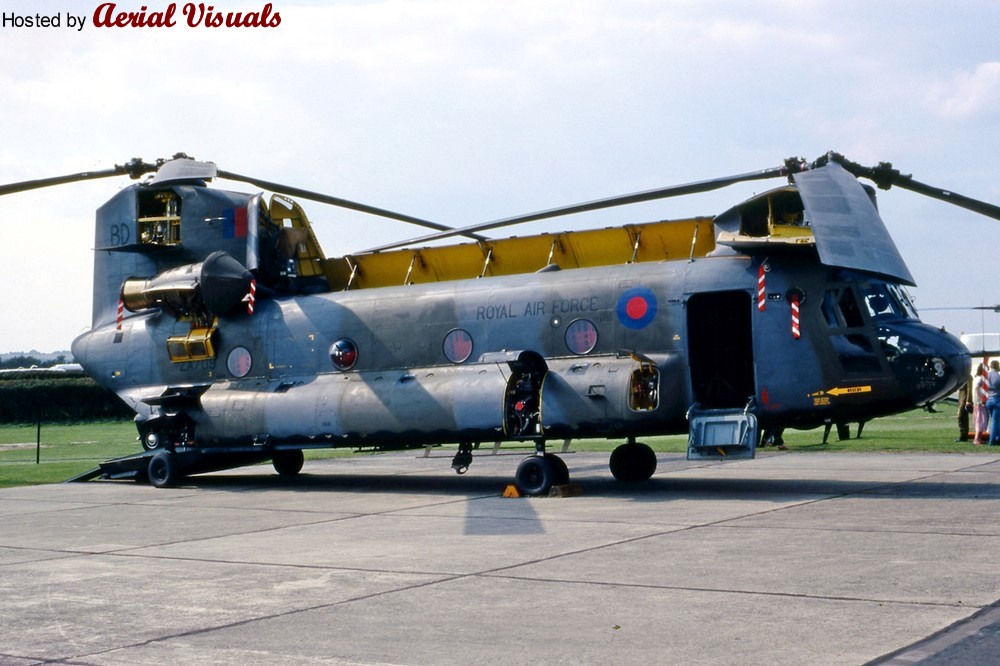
467 111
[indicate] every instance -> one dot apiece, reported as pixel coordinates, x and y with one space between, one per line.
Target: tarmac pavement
791 558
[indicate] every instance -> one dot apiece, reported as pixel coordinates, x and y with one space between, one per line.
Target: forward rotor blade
342 203
610 202
885 176
848 230
991 308
975 205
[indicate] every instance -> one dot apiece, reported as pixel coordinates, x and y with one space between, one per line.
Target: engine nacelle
215 287
506 396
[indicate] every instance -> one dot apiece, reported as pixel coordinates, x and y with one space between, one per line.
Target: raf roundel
637 308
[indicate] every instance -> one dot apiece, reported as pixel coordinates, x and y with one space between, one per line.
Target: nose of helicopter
928 362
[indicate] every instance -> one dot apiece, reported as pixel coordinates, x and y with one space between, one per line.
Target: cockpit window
849 308
904 300
888 301
858 352
840 309
851 340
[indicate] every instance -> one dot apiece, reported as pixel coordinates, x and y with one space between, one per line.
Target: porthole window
581 336
239 362
457 346
343 354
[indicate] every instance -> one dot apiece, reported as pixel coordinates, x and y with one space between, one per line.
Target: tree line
61 399
25 361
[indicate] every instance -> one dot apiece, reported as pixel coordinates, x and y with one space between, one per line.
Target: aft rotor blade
135 169
610 202
342 203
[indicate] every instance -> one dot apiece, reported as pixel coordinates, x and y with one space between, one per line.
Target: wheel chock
511 491
566 490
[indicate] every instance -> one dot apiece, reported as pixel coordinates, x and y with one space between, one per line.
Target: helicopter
219 320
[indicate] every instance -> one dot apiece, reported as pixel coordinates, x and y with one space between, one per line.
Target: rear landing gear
287 463
633 462
162 470
166 432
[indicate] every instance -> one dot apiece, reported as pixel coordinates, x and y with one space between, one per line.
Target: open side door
720 353
720 349
522 408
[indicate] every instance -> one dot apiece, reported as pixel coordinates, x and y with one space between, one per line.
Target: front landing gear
538 473
633 462
463 458
534 476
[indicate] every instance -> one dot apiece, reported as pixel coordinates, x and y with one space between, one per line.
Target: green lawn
69 450
65 451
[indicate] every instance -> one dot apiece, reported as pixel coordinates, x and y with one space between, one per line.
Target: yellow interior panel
298 240
654 241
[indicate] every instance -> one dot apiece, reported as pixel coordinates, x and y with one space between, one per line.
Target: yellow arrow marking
849 390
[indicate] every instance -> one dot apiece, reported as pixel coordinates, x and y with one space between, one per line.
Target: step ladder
721 434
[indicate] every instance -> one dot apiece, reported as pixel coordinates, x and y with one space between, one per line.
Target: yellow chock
511 491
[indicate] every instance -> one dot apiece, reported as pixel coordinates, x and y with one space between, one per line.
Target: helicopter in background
219 320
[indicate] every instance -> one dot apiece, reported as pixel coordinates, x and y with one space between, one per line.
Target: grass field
66 451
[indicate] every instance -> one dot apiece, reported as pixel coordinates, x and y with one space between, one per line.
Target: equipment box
721 434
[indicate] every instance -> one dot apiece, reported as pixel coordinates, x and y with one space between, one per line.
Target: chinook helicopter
220 321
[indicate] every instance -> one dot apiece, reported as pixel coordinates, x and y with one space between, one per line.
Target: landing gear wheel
463 458
633 462
153 440
288 463
560 473
534 476
162 470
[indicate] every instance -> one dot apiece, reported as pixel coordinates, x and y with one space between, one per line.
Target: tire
560 473
633 462
153 440
534 476
288 463
162 470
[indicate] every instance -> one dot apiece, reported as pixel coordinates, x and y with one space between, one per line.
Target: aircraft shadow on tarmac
661 488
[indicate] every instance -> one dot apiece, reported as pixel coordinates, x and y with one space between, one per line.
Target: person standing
964 409
993 401
980 417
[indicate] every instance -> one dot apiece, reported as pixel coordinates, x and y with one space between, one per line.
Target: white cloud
966 95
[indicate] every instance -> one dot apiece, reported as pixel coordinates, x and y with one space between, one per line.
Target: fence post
38 437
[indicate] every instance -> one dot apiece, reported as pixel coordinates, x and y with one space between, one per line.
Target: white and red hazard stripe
761 289
796 331
252 296
985 375
121 313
